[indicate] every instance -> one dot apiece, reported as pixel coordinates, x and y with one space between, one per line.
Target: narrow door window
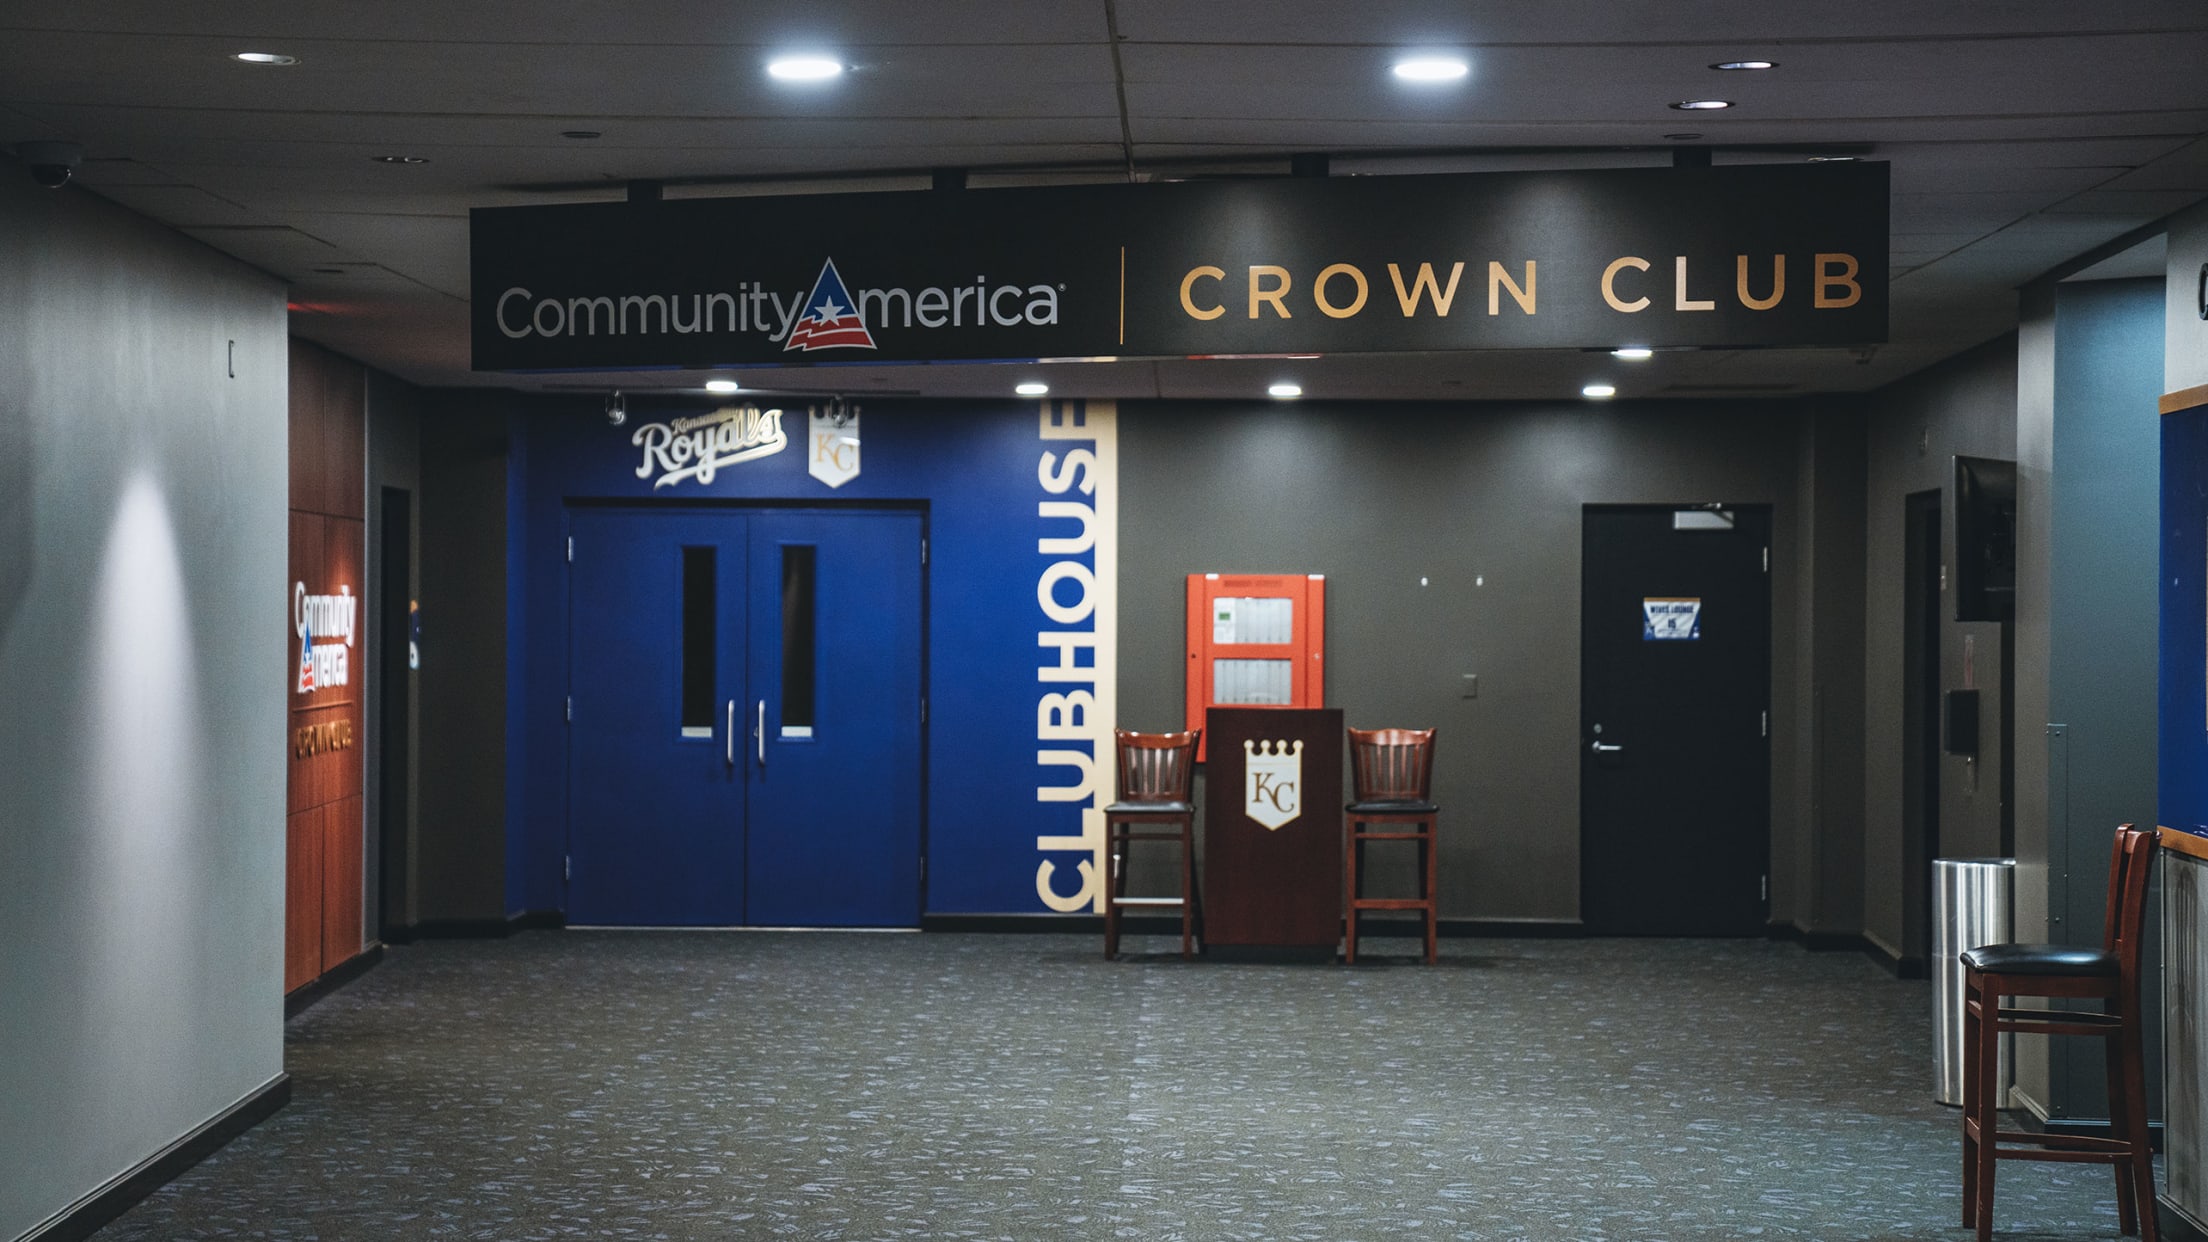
699 649
798 568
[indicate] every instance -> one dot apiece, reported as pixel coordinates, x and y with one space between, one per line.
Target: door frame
748 505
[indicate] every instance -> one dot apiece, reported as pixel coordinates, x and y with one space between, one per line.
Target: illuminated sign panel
1738 256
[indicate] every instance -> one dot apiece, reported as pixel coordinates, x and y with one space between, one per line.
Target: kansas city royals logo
831 317
1273 773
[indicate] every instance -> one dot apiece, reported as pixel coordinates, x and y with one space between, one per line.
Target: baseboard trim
2177 1224
478 929
307 995
87 1215
2087 1127
1170 925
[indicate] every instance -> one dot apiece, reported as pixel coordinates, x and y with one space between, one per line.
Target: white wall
142 561
2185 349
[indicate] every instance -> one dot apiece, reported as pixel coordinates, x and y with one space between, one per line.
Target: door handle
762 733
732 733
1605 748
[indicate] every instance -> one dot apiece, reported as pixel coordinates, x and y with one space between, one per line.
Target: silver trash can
1972 900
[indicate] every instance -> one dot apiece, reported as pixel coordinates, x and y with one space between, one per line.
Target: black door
1674 787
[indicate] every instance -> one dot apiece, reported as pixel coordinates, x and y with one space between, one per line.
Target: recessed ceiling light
722 387
1286 392
1031 388
1702 105
1431 69
804 68
1832 159
1599 392
581 135
264 58
1633 353
1745 64
401 159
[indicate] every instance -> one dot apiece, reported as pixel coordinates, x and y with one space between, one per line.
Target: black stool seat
2041 959
1151 808
1394 806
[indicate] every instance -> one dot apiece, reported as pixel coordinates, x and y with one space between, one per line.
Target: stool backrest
2130 860
1390 765
1156 767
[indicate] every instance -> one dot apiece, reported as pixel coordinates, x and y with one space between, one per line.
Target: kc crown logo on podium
1274 771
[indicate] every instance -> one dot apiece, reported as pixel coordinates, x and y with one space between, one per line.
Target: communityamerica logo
831 317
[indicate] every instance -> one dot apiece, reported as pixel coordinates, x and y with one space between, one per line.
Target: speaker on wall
1985 539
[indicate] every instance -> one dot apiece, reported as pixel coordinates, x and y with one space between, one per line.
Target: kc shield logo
834 440
1273 774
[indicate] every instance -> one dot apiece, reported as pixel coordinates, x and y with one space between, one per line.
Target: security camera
617 408
52 163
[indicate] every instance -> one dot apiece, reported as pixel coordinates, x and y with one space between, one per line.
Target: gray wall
1965 406
394 460
2103 622
2088 449
1485 504
460 839
1818 870
142 606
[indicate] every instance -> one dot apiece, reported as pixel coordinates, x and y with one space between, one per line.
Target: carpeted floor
846 1086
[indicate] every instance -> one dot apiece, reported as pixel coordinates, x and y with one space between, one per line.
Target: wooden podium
1273 833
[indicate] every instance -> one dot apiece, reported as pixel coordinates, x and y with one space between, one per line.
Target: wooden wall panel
327 735
326 755
344 438
341 881
302 898
307 454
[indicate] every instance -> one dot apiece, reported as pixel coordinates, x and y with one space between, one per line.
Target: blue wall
975 470
2183 795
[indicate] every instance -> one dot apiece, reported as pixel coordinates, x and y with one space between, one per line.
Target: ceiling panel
2018 135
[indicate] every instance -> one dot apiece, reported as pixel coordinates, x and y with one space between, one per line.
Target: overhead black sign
1750 255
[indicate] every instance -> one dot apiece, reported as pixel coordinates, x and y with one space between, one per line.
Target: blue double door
744 740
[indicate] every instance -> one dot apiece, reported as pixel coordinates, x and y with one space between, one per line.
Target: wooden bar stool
2109 974
1156 773
1392 771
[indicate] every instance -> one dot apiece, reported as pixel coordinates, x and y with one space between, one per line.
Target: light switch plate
1471 685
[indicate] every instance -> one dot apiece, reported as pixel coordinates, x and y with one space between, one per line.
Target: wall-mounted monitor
1985 539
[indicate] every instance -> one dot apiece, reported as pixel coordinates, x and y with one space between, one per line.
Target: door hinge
1767 722
567 867
923 711
1765 889
571 709
923 551
571 549
1767 558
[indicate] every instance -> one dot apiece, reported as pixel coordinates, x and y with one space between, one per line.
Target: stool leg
2132 1043
1970 1102
2119 1127
1351 852
1188 877
1989 1102
1113 883
1427 866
